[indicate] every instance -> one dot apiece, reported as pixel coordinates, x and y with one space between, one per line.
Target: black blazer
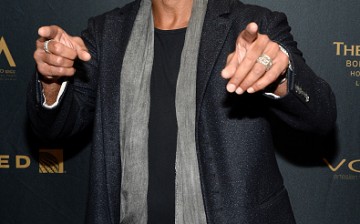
240 179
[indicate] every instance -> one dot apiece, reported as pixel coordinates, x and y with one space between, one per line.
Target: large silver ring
46 46
266 61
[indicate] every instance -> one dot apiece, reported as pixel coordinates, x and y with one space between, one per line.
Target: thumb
83 55
81 49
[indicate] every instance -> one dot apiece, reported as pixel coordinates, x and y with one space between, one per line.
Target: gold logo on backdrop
351 54
352 165
343 49
21 162
51 161
4 48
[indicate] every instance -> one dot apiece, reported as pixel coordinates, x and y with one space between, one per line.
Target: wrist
282 87
50 88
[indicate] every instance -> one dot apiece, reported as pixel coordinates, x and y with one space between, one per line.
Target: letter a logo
4 48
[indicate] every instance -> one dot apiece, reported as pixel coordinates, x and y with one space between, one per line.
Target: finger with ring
266 61
46 46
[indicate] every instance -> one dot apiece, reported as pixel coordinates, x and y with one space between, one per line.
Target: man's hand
245 72
62 51
54 55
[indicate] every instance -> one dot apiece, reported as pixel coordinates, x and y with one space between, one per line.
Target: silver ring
46 46
266 61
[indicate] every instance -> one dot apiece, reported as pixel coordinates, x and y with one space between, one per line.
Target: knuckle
245 85
36 55
258 85
68 63
71 63
270 77
273 46
57 48
283 57
39 44
65 71
59 61
265 37
69 72
73 55
249 59
258 70
72 71
264 40
238 78
42 68
235 80
60 70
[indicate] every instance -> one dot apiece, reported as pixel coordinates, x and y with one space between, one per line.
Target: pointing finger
249 35
50 32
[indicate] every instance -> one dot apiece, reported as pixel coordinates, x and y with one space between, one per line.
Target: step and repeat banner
43 182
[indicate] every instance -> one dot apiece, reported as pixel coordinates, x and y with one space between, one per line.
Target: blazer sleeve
75 111
310 103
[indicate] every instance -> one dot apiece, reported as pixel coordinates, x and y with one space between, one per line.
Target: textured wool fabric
134 118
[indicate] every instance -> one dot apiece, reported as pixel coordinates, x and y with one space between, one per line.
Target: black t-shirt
168 45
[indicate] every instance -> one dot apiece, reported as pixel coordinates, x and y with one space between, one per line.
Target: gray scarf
134 117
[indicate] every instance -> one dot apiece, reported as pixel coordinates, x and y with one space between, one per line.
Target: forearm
50 89
281 89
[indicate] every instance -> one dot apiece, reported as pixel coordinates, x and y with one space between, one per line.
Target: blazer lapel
119 29
118 33
215 29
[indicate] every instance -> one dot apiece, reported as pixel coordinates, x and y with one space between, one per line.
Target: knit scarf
134 118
